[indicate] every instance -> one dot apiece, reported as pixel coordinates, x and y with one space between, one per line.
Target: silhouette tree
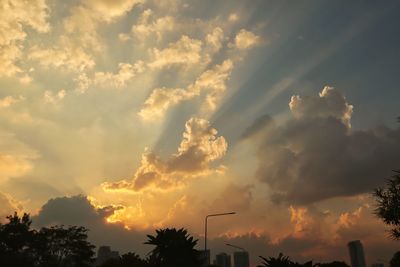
283 261
59 246
173 248
388 204
133 260
16 241
333 264
280 261
395 261
49 247
126 260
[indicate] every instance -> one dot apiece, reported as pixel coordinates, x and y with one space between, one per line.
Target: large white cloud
199 147
315 155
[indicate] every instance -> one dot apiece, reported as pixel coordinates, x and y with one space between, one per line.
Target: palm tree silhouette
173 248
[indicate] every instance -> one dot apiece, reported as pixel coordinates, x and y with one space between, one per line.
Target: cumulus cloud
315 155
330 103
245 39
199 147
146 28
186 51
125 73
67 55
212 82
16 15
215 39
75 48
78 210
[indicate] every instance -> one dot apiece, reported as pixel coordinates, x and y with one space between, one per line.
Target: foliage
61 246
16 241
388 204
173 248
395 261
334 264
49 247
283 261
126 260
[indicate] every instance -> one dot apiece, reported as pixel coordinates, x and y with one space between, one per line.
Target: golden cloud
199 147
212 81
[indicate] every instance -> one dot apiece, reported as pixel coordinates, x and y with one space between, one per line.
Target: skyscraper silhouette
241 259
223 260
356 252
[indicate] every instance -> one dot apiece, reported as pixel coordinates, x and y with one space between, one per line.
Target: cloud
215 39
146 28
315 155
199 147
110 10
125 73
233 17
16 15
16 158
50 97
240 199
245 39
14 165
10 100
8 206
212 82
330 103
75 49
78 210
67 55
186 51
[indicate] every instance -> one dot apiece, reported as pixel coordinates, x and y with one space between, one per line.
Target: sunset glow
133 115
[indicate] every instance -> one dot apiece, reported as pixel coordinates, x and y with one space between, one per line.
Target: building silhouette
356 251
105 253
222 260
241 259
204 258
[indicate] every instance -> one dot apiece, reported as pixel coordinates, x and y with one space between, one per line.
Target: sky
127 116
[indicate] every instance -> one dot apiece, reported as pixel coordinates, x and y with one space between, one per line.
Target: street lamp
205 227
235 246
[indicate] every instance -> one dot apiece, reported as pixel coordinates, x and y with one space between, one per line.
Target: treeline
60 246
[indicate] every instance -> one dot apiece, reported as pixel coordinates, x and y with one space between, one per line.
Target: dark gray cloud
233 198
316 155
77 210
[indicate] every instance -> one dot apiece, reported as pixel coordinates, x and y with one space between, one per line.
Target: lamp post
235 246
205 228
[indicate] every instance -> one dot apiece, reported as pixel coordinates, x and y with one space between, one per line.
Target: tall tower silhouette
356 252
241 259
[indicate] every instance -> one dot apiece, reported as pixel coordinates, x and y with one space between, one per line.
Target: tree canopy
388 204
48 247
173 248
